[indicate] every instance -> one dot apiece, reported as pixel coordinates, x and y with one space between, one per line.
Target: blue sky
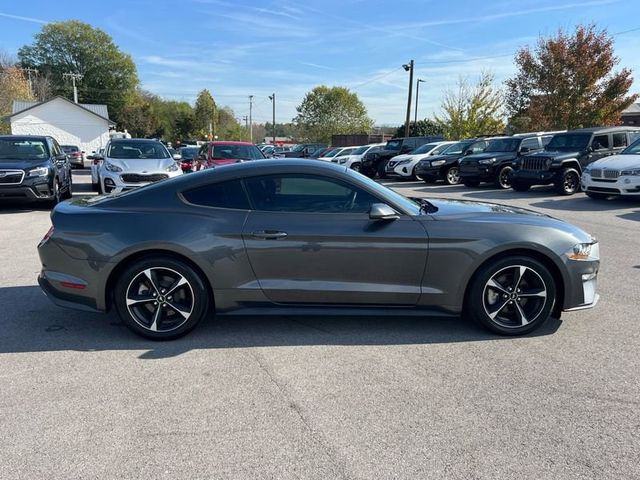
238 48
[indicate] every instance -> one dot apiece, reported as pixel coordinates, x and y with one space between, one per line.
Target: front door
310 240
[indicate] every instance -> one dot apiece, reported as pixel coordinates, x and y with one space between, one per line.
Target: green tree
327 111
109 75
204 114
228 126
422 128
140 116
470 110
567 81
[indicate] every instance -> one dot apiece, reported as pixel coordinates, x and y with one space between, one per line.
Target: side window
530 144
619 140
229 194
203 150
600 142
478 147
307 193
633 136
546 139
55 148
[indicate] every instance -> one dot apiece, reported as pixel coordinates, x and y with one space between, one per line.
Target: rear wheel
503 180
471 183
452 175
569 182
512 296
161 298
520 186
597 195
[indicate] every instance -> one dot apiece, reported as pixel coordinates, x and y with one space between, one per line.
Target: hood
146 165
10 164
481 156
448 207
555 154
404 156
618 162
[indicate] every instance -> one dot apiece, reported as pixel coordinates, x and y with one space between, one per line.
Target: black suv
564 158
445 165
495 164
374 162
33 168
303 150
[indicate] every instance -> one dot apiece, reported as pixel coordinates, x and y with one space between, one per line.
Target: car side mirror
589 149
466 152
97 156
177 156
61 157
382 211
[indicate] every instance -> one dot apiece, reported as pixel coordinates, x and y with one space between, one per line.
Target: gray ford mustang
307 237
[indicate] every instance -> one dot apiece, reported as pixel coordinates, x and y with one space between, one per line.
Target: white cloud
24 19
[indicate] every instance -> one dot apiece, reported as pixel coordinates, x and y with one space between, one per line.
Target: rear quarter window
229 194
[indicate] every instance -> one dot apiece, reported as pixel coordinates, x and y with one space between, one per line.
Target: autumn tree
13 86
327 111
204 114
568 81
472 110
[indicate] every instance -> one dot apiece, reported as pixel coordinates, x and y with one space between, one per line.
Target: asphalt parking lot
325 397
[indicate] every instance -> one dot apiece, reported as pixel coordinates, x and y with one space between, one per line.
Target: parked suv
374 163
617 175
566 156
218 153
445 165
303 150
495 164
33 168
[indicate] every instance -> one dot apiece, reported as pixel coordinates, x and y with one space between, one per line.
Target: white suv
355 157
132 163
615 175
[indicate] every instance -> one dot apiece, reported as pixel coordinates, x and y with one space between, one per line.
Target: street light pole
251 118
408 68
272 97
418 82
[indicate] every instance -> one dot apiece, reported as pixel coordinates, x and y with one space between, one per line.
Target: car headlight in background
487 161
403 162
172 168
111 167
38 172
585 251
437 163
633 173
342 161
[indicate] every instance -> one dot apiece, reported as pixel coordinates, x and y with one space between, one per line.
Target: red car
215 154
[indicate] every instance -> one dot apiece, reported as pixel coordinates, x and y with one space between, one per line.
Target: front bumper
113 182
626 185
478 172
534 177
581 287
30 189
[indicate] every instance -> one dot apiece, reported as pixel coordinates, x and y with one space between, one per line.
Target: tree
13 86
422 128
327 111
568 82
140 117
204 114
228 126
109 75
472 110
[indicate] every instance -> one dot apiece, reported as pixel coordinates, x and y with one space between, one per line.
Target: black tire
597 195
151 284
471 183
569 182
520 186
356 167
380 171
503 179
56 195
452 175
490 303
68 192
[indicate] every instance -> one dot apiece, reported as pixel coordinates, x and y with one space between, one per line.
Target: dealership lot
325 397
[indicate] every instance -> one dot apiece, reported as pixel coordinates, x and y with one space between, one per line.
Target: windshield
189 153
23 149
360 150
236 152
426 148
569 141
298 148
137 150
393 145
634 148
503 145
69 148
456 148
332 153
404 202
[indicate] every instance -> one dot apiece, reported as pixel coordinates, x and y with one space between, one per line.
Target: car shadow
31 323
634 216
18 206
582 203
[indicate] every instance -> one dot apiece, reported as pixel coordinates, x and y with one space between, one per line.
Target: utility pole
73 77
408 68
251 118
418 82
34 72
272 97
245 119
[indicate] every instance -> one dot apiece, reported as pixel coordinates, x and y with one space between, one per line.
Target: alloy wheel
515 296
160 299
453 176
504 177
570 182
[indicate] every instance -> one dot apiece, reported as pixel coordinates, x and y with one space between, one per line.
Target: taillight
47 236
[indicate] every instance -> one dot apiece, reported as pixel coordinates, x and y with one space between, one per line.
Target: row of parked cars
584 159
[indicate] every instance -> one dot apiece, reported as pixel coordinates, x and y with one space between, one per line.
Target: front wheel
569 182
511 296
503 180
452 175
161 298
355 167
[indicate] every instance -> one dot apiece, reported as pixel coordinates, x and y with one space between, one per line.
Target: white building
84 125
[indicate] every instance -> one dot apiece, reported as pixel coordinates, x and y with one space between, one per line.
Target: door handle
269 234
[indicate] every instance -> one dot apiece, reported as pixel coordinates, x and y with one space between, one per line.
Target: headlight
38 172
342 160
633 173
487 161
172 168
111 167
437 163
403 162
585 251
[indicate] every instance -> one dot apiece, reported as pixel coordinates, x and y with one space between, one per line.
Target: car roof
24 137
230 142
137 140
603 130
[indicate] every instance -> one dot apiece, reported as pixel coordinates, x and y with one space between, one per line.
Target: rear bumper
64 299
